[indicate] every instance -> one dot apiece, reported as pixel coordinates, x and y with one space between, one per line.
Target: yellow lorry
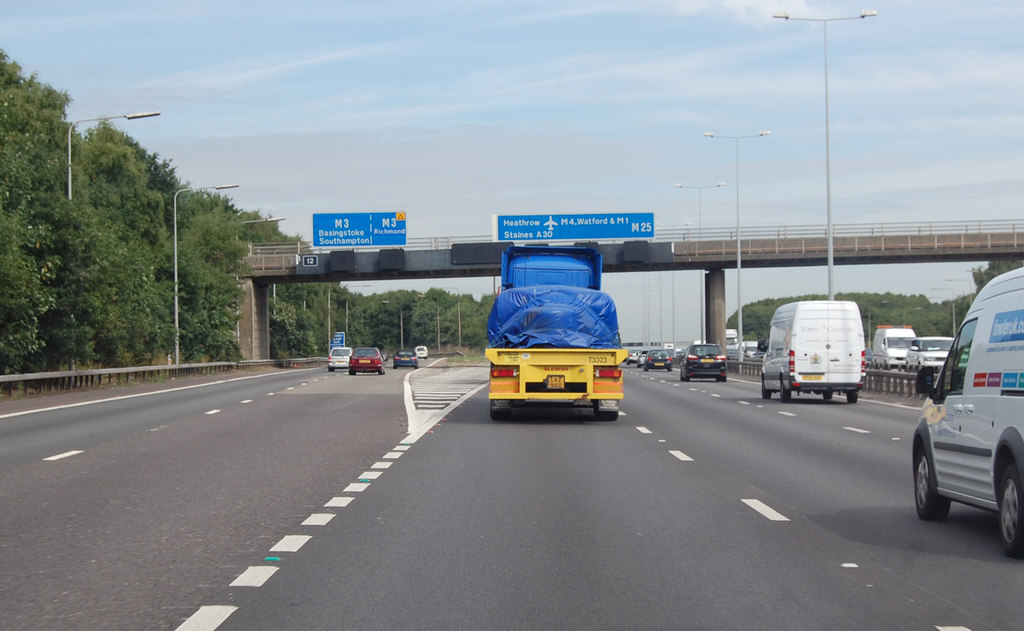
553 334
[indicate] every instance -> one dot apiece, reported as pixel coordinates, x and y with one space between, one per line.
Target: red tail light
692 356
503 372
610 373
792 361
720 358
863 362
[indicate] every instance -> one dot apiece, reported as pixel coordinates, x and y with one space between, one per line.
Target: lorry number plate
555 382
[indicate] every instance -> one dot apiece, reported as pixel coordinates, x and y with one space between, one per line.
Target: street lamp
867 13
952 301
177 329
739 248
700 232
71 128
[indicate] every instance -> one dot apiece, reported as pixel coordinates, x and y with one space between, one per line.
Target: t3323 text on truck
553 334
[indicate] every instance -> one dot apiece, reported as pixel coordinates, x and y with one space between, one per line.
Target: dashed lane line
766 511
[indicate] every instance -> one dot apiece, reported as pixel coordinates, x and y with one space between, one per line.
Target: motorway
306 500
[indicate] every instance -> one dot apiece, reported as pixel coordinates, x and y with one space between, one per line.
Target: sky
454 111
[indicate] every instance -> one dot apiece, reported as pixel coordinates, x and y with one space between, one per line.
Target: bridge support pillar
714 301
254 321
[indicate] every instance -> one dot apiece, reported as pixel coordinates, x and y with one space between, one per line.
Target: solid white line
681 455
66 454
643 430
290 543
339 502
765 510
857 430
318 519
140 394
207 618
356 487
254 576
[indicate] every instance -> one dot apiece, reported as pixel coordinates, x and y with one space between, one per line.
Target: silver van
968 445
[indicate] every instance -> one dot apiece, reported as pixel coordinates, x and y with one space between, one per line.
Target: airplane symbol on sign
550 224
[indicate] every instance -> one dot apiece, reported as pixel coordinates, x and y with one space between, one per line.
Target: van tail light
610 373
863 362
792 362
503 372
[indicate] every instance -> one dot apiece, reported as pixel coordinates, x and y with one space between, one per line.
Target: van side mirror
925 380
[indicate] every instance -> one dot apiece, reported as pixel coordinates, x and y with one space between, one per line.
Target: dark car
405 358
366 359
703 360
658 360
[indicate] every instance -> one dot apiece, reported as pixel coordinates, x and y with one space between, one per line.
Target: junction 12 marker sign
573 227
358 229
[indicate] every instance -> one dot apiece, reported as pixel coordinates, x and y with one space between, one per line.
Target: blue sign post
331 230
573 227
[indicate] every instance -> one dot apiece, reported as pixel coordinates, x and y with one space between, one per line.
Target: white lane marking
290 388
290 543
254 576
856 430
318 519
681 455
270 394
356 487
940 628
849 565
369 475
208 413
643 430
140 394
339 502
765 510
677 385
207 618
381 465
246 401
784 413
744 402
717 396
66 454
392 455
402 448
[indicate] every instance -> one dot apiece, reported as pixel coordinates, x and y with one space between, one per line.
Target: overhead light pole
739 245
867 13
71 128
177 329
700 233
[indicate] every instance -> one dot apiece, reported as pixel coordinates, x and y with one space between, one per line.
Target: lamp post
71 128
177 329
952 301
867 13
700 233
739 248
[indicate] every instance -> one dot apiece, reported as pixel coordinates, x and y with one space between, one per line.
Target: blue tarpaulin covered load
553 316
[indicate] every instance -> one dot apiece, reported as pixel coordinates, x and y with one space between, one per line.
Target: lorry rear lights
609 373
503 372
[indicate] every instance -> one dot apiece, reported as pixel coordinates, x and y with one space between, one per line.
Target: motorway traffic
300 499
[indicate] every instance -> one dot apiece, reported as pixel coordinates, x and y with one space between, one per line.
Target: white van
891 345
814 346
968 445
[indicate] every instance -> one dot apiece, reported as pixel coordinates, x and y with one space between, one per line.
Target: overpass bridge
671 249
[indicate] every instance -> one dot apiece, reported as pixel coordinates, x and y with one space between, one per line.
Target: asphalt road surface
318 507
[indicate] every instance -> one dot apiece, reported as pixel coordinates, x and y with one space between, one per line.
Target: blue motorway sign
573 227
358 229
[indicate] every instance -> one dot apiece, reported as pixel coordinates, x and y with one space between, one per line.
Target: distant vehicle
891 345
927 351
421 352
641 358
658 360
632 357
405 358
751 350
702 360
338 359
366 359
814 346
